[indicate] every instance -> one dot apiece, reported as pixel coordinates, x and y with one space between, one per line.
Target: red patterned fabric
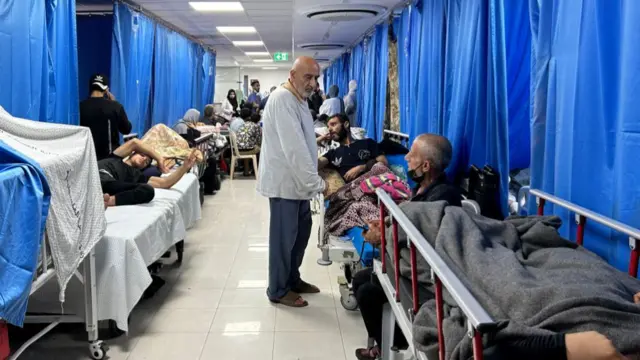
390 183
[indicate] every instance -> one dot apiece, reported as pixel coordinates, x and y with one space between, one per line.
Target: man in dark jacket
104 116
428 158
316 99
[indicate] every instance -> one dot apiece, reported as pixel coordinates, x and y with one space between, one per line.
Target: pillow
333 179
398 166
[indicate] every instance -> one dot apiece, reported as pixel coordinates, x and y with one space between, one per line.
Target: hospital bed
351 250
406 295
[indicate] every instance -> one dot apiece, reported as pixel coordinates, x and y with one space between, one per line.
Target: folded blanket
168 143
525 275
354 205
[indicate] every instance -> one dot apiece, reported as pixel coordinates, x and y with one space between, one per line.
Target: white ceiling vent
322 46
344 12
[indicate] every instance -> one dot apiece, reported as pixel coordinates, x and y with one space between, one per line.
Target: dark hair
341 117
324 118
255 81
245 113
255 118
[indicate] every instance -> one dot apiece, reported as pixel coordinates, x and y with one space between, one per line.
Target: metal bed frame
44 273
478 320
581 216
334 248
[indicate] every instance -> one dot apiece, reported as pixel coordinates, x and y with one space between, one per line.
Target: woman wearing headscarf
189 120
351 103
230 105
333 105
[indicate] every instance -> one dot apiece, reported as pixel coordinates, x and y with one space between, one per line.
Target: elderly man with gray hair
427 161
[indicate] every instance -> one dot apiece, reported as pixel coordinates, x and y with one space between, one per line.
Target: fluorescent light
263 60
257 53
270 68
216 6
248 43
236 29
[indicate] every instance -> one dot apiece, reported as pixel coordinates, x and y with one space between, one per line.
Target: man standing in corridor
288 176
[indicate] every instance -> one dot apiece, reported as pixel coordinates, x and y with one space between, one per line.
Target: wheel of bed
349 302
98 350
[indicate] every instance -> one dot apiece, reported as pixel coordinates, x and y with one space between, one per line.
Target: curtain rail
165 23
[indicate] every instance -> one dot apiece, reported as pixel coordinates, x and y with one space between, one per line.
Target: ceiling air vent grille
322 46
344 12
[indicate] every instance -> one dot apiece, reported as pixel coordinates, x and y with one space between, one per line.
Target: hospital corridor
319 180
214 305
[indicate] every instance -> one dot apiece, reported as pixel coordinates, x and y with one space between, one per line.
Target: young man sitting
122 180
353 157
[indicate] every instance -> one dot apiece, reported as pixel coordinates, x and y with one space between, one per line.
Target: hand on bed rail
372 234
591 345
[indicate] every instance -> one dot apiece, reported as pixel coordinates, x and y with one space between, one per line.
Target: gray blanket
525 275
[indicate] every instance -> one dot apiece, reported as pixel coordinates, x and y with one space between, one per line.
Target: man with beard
288 176
353 157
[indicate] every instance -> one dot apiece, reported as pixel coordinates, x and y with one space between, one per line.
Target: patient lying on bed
353 157
551 298
122 180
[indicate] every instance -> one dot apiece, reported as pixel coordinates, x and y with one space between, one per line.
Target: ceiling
280 24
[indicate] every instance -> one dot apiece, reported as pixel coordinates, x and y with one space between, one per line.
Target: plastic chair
236 155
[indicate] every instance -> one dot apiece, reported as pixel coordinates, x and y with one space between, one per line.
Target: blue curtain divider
585 130
208 77
518 51
38 69
367 106
131 63
176 62
356 71
62 95
382 71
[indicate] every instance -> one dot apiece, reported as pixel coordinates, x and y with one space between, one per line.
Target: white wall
227 78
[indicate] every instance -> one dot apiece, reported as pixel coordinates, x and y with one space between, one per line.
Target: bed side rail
479 321
582 214
129 137
401 138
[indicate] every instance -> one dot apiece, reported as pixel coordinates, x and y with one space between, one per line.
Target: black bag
484 188
191 136
211 178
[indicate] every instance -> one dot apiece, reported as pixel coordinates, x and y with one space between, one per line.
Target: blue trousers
289 231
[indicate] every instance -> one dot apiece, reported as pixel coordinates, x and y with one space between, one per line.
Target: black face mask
415 177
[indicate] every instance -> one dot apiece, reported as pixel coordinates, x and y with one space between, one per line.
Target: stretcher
351 250
407 295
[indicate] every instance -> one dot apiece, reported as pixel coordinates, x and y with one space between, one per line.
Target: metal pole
396 258
383 232
580 233
439 316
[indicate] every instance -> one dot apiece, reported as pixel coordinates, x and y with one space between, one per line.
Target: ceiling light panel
263 60
257 53
216 6
248 43
236 29
270 68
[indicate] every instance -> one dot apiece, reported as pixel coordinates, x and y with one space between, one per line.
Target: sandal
291 299
304 287
368 354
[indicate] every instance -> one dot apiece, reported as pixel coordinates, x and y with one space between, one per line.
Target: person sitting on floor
122 180
427 161
249 139
353 157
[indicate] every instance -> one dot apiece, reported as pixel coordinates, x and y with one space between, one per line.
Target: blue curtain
382 71
518 50
208 77
94 52
415 46
198 79
356 71
174 78
585 129
403 34
39 67
373 91
461 89
62 95
131 64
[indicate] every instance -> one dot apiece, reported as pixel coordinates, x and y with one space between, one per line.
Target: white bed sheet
136 236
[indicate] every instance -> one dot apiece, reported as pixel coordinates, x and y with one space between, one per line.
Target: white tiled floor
214 306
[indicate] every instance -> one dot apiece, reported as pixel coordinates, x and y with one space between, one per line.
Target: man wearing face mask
427 160
353 157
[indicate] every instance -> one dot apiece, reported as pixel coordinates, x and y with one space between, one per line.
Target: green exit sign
281 56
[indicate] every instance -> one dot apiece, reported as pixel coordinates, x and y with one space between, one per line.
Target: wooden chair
236 155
